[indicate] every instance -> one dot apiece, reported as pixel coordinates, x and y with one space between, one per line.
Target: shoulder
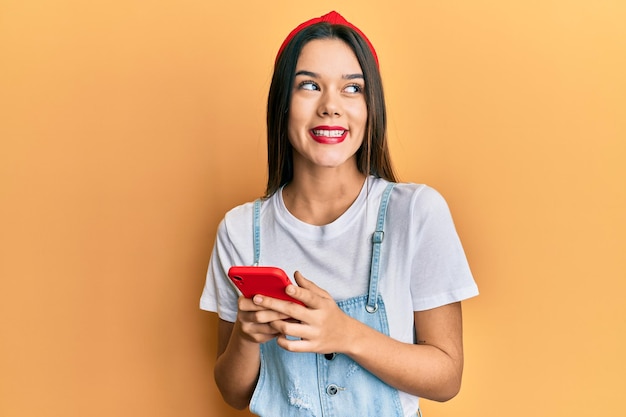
418 198
236 222
239 213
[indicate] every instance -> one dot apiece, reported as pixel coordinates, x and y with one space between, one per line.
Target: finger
246 304
290 327
307 292
287 309
294 345
259 333
309 285
258 312
259 328
261 317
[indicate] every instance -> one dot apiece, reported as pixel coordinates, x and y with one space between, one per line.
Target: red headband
333 18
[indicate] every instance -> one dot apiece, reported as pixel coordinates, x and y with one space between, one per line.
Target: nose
330 104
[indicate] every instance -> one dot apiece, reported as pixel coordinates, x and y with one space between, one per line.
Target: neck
322 196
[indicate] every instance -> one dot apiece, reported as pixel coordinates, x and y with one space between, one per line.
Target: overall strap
377 240
256 226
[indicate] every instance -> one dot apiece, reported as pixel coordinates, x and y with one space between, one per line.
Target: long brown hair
373 155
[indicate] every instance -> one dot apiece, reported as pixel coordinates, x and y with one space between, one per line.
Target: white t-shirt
423 265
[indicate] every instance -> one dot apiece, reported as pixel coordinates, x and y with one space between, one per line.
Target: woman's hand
239 350
255 321
320 327
431 369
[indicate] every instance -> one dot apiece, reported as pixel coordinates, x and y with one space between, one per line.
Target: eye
308 85
353 89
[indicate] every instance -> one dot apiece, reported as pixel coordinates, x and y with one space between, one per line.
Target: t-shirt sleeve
219 295
440 271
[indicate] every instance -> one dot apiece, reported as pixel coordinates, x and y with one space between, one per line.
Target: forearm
422 370
430 369
237 369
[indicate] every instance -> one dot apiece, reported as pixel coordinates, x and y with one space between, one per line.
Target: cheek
295 125
359 114
297 114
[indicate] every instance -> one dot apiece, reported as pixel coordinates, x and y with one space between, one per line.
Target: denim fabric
332 385
310 384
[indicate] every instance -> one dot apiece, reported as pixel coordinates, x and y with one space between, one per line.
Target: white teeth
329 133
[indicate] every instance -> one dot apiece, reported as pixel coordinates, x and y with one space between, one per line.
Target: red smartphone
263 280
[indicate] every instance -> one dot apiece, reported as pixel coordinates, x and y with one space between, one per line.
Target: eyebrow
315 75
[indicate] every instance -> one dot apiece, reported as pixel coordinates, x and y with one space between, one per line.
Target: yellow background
128 128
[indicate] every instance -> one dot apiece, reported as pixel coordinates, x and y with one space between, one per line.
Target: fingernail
257 299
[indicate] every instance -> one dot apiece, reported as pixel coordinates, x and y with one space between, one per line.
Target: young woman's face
328 113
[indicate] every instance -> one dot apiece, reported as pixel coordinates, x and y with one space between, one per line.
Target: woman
378 265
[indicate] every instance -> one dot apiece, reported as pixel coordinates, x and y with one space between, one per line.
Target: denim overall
330 385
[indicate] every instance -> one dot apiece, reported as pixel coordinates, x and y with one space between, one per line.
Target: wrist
355 333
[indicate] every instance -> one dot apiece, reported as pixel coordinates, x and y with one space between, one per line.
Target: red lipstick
328 135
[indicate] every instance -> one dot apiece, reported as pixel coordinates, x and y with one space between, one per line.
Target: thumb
301 280
309 285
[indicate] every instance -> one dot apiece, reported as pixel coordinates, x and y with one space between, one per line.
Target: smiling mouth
329 133
328 136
